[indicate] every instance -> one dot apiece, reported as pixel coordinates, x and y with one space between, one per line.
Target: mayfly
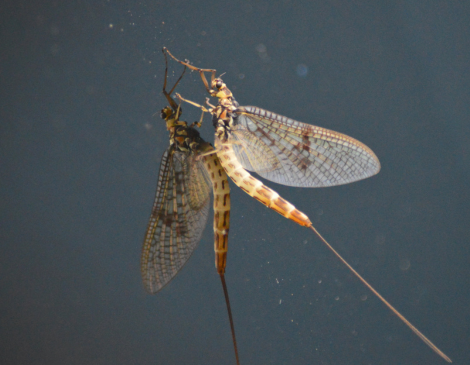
287 152
189 170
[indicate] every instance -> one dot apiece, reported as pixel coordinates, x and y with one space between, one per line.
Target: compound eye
165 113
218 84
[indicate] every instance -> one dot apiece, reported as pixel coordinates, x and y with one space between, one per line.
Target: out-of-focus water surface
80 148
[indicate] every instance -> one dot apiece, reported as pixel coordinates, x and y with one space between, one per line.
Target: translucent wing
178 218
292 153
260 157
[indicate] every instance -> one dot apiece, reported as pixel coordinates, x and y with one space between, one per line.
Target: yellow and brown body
256 188
221 190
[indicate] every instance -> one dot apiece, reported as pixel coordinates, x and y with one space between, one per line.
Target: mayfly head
171 116
219 89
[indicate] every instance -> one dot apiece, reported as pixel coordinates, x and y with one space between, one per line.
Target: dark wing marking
292 153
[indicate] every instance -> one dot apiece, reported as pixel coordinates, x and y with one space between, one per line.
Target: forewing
258 156
178 218
292 153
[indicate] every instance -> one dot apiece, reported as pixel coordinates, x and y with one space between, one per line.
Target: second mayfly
189 170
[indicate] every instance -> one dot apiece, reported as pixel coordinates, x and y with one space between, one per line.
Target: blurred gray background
79 155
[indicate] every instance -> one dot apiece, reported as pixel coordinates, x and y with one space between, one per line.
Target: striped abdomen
256 188
221 191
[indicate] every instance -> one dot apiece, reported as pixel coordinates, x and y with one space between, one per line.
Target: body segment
221 191
256 188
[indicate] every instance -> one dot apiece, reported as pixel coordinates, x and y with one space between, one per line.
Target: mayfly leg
201 71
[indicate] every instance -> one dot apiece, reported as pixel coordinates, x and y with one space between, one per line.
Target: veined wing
178 218
292 153
260 157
